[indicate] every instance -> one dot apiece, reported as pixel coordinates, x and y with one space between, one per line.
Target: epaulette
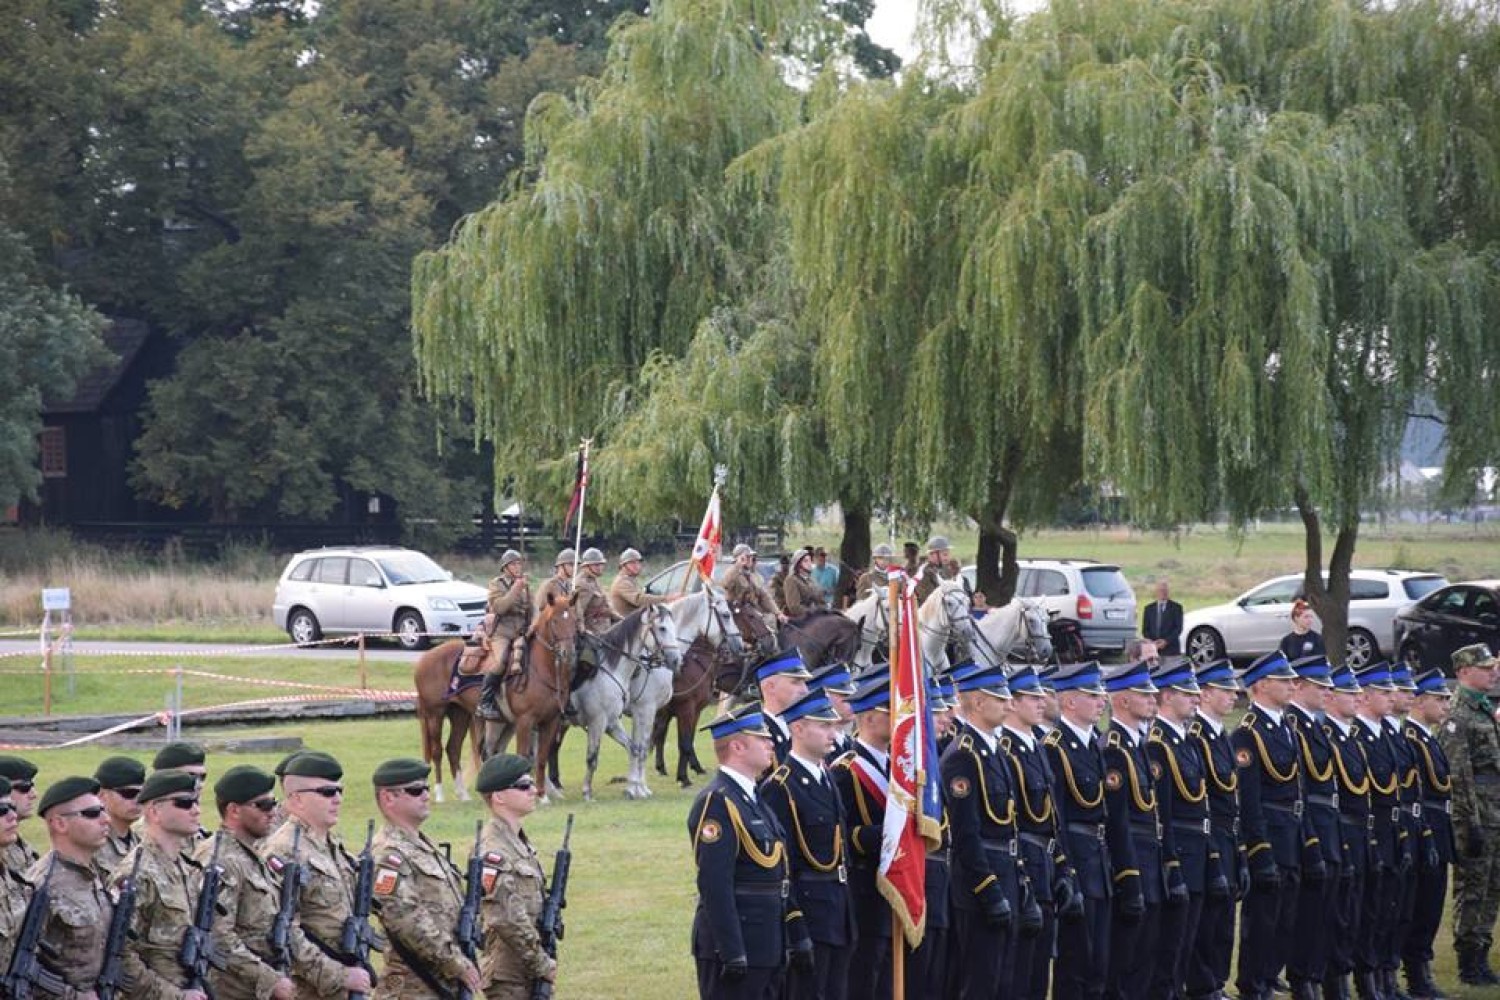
1053 739
1195 728
1113 739
1249 720
1411 733
843 760
780 775
966 741
1005 743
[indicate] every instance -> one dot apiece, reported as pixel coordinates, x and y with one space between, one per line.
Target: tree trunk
1331 599
854 548
995 563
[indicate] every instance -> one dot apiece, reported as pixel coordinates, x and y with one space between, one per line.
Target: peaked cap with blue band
813 706
834 678
746 718
784 661
1082 677
1314 669
1376 676
1175 672
1401 677
989 680
1130 677
1343 680
1025 680
874 693
1218 674
1272 666
1433 682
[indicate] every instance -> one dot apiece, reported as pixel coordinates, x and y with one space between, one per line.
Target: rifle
470 931
549 924
293 875
111 970
198 951
357 937
26 974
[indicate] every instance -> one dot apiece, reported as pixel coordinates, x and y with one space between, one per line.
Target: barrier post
47 679
364 677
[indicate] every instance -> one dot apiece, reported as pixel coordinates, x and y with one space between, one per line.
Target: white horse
1019 626
873 616
630 653
945 617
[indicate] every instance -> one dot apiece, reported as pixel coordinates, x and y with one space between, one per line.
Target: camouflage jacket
327 897
419 894
15 893
18 857
167 887
514 889
1471 739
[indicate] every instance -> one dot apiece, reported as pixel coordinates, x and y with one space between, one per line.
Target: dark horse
708 671
822 637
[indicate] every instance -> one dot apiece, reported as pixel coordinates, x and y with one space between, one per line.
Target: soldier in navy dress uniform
1090 833
1053 881
986 875
1268 759
746 919
1322 841
835 681
1351 772
801 794
1182 802
1139 876
861 777
781 679
1429 711
927 964
1226 879
1413 824
1382 877
942 711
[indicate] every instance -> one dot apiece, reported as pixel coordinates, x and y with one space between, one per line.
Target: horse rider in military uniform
21 773
120 780
625 592
800 592
1091 835
802 796
747 918
418 890
1268 758
1227 878
744 588
1429 710
861 777
877 577
781 679
1356 827
1053 882
559 585
1471 739
1382 885
313 800
509 612
594 614
168 883
935 569
249 898
1139 873
1178 770
513 962
1322 840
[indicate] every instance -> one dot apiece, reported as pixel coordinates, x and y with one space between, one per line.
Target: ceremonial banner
706 547
913 807
580 486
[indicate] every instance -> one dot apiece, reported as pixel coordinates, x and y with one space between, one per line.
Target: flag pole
898 934
583 494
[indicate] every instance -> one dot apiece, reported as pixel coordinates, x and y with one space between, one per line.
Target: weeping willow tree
618 242
1298 245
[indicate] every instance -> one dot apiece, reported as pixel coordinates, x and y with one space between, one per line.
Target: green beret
242 783
313 764
119 772
178 754
401 771
281 764
4 787
163 783
66 790
17 769
502 771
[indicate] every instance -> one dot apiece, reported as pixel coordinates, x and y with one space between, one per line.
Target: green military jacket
1471 740
514 889
15 893
167 887
327 898
419 894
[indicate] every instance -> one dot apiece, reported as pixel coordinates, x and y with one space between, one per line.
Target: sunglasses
127 793
524 785
21 786
264 805
184 802
92 812
6 808
415 791
327 791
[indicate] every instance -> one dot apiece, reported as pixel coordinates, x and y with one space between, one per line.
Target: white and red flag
913 805
710 534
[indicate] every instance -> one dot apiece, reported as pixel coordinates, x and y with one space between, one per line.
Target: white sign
56 599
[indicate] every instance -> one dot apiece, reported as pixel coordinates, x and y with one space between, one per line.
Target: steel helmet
592 557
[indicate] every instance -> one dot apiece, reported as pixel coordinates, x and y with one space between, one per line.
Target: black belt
1047 844
939 857
1226 827
1439 805
1204 826
778 889
1326 801
1095 830
1295 809
1006 844
1150 830
840 874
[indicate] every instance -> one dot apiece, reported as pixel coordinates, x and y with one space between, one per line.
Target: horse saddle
471 659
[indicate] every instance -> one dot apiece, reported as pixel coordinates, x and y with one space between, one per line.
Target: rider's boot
488 693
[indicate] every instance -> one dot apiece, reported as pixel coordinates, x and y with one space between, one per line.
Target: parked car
1255 622
671 580
360 588
1428 632
1095 595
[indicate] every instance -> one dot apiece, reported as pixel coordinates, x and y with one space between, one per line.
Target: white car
1095 595
1255 622
374 589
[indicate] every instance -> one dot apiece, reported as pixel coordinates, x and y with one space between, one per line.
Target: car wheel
1204 646
1360 649
303 627
409 629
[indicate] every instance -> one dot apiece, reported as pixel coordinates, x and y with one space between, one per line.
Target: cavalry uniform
1268 758
802 595
743 587
1139 876
557 588
510 614
1322 841
420 894
1213 942
592 606
167 888
326 902
1471 739
1437 853
515 887
932 572
626 593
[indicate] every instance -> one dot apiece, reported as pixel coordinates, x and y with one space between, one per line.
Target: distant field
126 597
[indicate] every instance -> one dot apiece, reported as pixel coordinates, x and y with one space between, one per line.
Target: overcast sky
892 25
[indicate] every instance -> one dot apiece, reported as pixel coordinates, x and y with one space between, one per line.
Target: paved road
92 647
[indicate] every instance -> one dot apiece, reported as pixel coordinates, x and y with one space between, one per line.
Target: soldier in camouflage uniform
626 593
14 889
313 800
167 886
1471 740
21 773
560 584
514 884
249 897
120 780
418 891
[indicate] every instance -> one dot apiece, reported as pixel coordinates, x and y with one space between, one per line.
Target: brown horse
535 700
708 672
438 703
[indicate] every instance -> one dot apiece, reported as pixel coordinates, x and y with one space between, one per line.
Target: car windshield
1105 581
411 567
1418 587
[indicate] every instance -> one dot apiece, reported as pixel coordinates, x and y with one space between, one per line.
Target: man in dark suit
1161 624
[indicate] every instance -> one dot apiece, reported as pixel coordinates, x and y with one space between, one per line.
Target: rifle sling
327 949
420 968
